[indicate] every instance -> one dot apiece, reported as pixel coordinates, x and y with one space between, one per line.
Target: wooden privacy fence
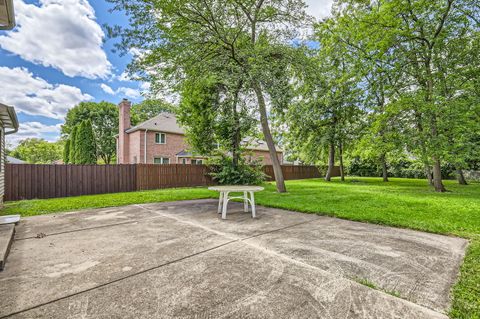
28 181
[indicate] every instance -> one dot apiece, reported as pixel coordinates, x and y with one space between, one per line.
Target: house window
197 162
160 138
184 161
161 160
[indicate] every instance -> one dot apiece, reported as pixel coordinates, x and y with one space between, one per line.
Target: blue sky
58 55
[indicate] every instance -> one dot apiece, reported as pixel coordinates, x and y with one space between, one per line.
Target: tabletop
236 188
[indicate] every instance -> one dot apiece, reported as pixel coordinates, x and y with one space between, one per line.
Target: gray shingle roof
163 122
257 145
14 160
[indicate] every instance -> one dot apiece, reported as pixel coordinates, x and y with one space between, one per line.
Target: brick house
160 140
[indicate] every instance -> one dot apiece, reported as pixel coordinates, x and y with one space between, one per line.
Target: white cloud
107 89
35 96
129 92
34 130
59 33
124 77
319 8
125 91
145 86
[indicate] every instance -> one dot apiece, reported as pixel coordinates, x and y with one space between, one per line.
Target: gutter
13 117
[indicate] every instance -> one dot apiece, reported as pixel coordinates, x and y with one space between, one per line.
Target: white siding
2 164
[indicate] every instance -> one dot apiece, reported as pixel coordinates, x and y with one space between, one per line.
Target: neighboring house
8 125
13 160
161 140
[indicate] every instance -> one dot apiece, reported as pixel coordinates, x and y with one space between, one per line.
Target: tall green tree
72 158
215 116
86 152
149 108
66 152
194 37
327 110
104 119
430 42
38 151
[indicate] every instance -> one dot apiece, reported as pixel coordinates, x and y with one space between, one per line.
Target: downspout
145 147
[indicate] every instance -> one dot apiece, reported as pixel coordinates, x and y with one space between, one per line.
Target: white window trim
160 138
162 159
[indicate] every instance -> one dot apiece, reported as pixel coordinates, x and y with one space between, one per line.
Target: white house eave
7 16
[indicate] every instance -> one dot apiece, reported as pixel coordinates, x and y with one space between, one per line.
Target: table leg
245 202
220 200
225 203
252 198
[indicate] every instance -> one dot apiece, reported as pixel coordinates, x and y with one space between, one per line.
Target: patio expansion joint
88 228
220 233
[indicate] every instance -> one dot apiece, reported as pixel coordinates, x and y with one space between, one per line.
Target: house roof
185 153
163 122
8 118
257 145
14 160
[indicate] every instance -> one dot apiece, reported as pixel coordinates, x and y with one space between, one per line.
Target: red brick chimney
123 156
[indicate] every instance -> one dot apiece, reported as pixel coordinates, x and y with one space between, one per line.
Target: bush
225 173
359 167
404 168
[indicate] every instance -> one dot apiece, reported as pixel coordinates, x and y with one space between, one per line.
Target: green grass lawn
402 203
55 205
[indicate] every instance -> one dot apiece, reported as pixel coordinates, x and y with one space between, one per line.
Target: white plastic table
224 198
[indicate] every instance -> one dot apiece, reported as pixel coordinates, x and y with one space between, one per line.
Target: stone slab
7 231
44 269
417 266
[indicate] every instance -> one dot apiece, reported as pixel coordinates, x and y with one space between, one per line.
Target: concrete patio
180 260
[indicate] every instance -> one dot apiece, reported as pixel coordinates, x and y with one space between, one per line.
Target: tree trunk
437 176
277 169
384 168
461 178
236 133
331 161
437 171
428 174
340 158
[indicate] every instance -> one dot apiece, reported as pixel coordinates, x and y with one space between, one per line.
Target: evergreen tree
85 144
104 117
66 152
73 145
